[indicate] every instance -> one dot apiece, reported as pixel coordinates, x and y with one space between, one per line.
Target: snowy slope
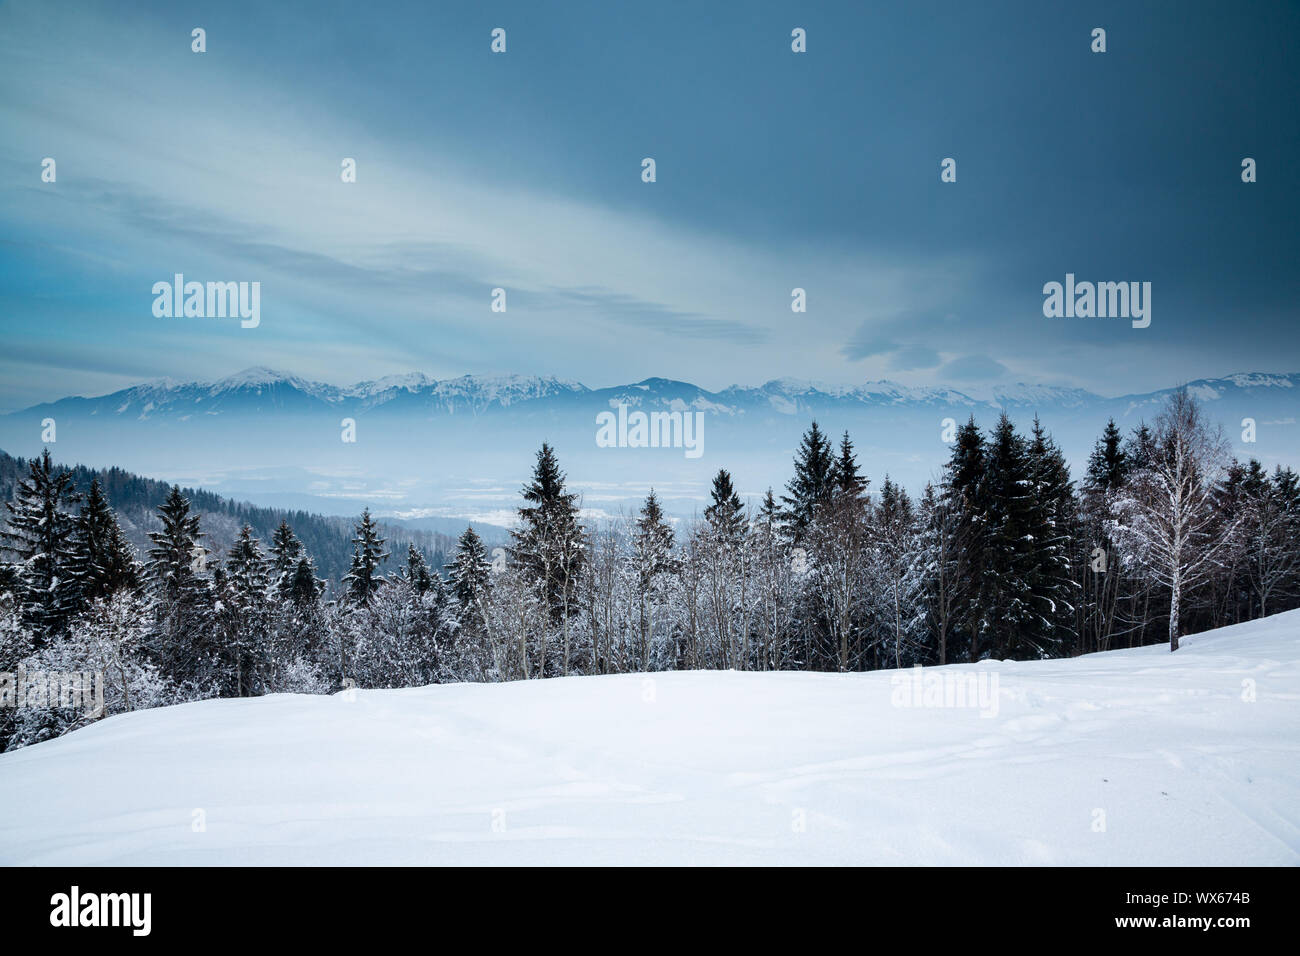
700 767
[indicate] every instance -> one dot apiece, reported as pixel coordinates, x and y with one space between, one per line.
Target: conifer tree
847 478
1052 528
652 561
303 586
418 575
1108 465
104 560
244 617
363 578
1006 599
177 573
964 511
726 515
811 487
286 552
470 572
550 545
40 538
899 552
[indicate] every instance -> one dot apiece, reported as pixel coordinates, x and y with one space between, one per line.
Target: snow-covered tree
653 566
1165 517
39 541
812 484
899 565
178 580
363 578
550 546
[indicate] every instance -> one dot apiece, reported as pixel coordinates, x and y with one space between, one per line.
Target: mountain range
429 450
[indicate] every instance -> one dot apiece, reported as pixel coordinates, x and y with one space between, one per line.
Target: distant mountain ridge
260 386
460 448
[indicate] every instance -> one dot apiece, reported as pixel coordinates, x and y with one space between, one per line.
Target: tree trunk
1175 595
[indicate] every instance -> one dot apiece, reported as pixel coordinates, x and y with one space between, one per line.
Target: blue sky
522 170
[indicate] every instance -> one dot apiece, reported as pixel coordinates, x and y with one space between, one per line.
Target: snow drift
1127 757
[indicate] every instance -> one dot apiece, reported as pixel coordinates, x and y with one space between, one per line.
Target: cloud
884 337
912 357
973 368
630 310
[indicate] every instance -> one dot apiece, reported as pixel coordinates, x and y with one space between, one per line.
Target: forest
1005 556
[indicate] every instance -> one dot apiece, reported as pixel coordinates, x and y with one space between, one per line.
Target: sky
522 170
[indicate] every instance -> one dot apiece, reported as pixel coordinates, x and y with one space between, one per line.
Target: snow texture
700 768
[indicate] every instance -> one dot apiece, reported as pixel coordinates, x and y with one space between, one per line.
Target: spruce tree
286 552
813 482
177 574
1108 465
1006 601
964 515
245 618
40 537
1052 530
363 578
726 515
303 586
543 543
898 548
418 575
847 478
470 573
550 546
652 560
105 561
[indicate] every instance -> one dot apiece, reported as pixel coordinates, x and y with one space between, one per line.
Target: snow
701 768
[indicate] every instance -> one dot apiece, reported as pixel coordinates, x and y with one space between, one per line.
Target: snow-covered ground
1129 757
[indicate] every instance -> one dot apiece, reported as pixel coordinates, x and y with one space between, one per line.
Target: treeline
136 499
1005 556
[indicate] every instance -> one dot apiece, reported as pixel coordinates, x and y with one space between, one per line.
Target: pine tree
176 571
1052 528
247 567
176 558
303 586
652 562
1006 600
1139 449
965 513
286 553
470 573
1102 575
726 515
550 545
244 617
363 578
105 561
813 482
944 557
418 575
1108 465
40 536
899 553
778 575
846 476
1269 518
